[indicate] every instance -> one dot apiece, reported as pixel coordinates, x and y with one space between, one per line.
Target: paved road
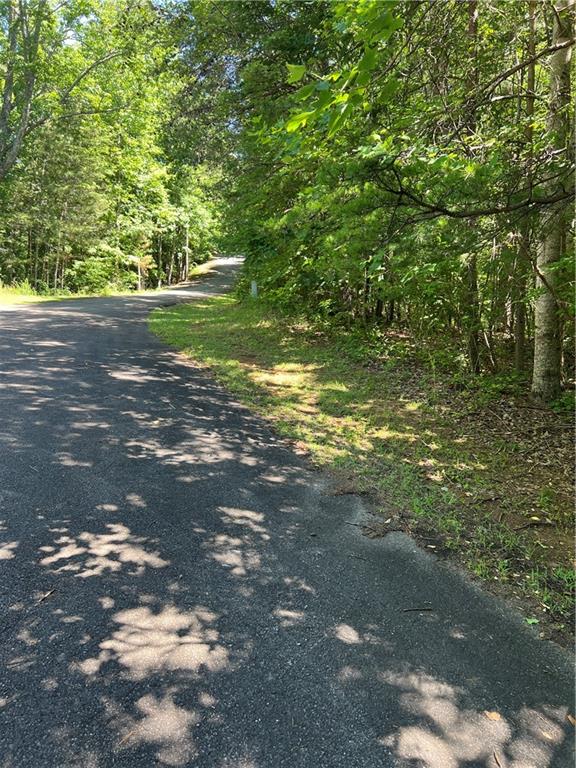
179 589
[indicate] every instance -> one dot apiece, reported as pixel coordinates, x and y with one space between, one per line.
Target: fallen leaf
493 715
571 719
498 763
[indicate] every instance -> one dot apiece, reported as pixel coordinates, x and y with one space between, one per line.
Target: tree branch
102 60
491 84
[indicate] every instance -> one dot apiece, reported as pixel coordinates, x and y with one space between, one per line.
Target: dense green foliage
379 162
398 162
93 200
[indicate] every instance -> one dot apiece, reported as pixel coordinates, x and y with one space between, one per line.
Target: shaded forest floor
480 477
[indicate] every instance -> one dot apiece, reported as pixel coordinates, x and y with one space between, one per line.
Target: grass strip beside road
389 430
24 294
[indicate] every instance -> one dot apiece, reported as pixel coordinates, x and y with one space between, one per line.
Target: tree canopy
379 162
91 195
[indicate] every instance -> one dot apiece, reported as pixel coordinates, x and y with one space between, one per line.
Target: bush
22 288
99 274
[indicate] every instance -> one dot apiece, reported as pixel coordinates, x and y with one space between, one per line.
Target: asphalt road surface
178 588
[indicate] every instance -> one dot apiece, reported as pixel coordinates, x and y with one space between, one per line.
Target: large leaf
298 121
368 61
295 72
338 118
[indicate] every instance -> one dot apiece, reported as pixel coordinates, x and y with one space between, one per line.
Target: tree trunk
366 310
472 307
159 283
519 332
56 266
20 24
36 252
186 253
523 261
546 375
473 314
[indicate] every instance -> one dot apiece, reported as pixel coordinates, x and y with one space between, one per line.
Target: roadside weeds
467 481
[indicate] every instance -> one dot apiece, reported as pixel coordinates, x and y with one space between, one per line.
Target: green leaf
388 89
305 91
338 118
323 100
363 78
298 121
532 621
295 73
383 27
368 61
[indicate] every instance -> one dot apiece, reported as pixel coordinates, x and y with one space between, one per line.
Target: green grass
19 294
23 293
380 429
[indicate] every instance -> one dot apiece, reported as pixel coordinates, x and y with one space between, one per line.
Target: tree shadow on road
179 590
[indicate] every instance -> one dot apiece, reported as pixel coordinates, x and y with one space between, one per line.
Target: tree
19 52
548 343
395 164
91 196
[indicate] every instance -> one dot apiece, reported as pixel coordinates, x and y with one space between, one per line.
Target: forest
379 164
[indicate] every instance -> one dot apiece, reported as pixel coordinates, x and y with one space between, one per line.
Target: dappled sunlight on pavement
446 734
91 554
147 642
180 589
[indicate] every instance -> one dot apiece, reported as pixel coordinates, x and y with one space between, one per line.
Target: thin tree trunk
30 258
36 251
55 280
472 310
523 261
546 375
159 284
186 253
473 314
366 294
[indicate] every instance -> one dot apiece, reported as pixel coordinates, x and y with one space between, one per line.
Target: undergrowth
386 418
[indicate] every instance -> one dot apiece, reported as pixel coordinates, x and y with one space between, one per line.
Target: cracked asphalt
179 588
